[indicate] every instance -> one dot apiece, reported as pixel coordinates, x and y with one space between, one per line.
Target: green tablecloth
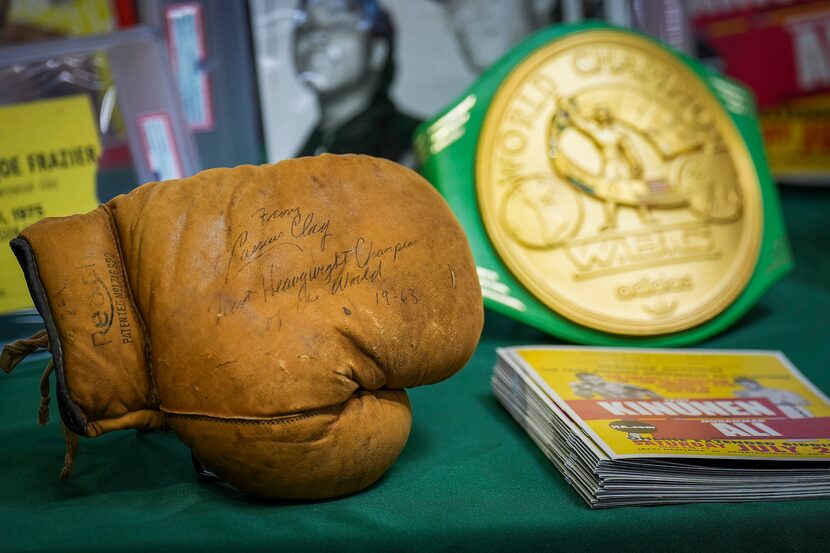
469 478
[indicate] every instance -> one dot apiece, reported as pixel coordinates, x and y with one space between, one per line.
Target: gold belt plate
616 187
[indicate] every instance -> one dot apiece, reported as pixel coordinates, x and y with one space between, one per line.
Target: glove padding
270 316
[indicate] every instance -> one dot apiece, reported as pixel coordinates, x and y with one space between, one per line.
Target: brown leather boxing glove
270 316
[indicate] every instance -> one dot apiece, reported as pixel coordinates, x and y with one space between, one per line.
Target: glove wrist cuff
75 273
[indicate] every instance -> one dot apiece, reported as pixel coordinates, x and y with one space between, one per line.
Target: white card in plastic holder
159 146
186 42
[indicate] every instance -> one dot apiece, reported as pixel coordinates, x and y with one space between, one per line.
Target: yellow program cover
689 404
49 152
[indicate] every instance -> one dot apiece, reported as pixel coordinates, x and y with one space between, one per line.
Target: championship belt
613 191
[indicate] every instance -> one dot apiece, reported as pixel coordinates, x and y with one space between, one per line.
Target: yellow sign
797 139
616 188
48 157
728 404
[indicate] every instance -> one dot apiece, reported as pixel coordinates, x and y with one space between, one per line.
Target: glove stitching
116 240
230 420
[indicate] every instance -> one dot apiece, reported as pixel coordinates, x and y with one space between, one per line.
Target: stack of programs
639 427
